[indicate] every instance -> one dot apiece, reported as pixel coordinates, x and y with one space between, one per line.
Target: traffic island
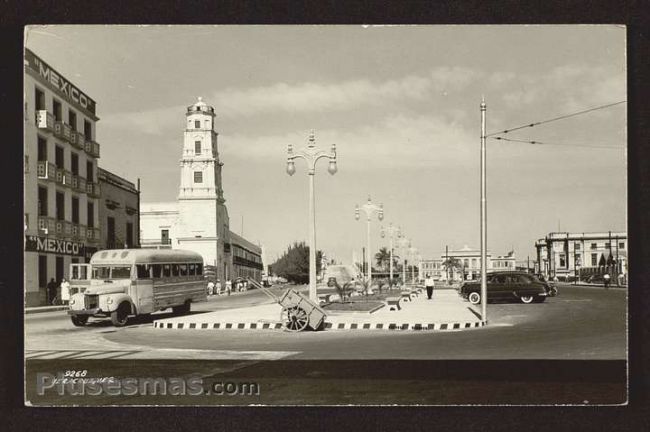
446 311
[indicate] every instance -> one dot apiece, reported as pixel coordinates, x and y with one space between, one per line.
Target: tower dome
200 106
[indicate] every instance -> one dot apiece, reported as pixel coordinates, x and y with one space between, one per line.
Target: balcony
44 120
63 130
46 170
81 184
46 224
92 148
63 177
92 234
78 140
93 189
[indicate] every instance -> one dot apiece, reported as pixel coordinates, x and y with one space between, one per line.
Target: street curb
43 309
328 325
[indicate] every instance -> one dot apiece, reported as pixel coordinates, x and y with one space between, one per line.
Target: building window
91 215
562 260
129 234
42 149
72 119
578 260
594 260
197 147
110 232
88 130
164 236
608 245
90 172
198 176
621 245
197 124
58 157
594 246
74 163
75 210
576 246
473 262
56 110
60 206
42 201
39 99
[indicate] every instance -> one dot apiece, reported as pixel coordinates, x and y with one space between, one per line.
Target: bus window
175 269
156 270
192 269
75 273
167 270
101 272
143 271
121 272
183 269
199 269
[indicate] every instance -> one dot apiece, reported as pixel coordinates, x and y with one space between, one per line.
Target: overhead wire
549 143
562 117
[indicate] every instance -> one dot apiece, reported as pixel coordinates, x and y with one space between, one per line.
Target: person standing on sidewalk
51 291
429 283
228 286
65 291
210 288
606 280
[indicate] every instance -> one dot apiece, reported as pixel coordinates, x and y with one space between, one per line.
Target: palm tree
452 263
383 258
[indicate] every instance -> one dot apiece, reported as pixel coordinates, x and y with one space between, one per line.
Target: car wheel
474 298
120 316
527 299
79 321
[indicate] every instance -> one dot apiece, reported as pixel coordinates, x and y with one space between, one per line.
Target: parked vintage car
509 285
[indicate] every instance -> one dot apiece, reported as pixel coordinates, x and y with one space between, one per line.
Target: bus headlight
72 301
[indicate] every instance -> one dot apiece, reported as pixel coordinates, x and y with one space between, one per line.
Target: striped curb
327 326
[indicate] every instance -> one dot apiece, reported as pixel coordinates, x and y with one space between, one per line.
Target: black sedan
520 286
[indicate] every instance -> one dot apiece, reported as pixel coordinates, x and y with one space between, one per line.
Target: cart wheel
294 318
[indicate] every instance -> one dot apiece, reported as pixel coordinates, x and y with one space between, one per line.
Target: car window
500 279
523 279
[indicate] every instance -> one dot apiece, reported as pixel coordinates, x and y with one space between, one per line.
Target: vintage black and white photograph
325 215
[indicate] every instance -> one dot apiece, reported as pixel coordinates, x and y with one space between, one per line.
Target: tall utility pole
483 218
311 155
447 263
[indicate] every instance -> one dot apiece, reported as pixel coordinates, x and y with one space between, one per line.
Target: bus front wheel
120 316
182 309
79 320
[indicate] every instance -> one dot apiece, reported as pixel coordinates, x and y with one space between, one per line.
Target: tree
452 263
383 258
294 263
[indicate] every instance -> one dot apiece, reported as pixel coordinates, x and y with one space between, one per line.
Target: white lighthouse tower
203 223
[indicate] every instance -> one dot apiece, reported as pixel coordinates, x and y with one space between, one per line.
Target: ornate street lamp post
311 155
413 252
369 209
403 243
391 232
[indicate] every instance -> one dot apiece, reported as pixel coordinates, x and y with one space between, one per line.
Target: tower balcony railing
46 170
46 224
44 120
92 148
63 177
93 189
78 140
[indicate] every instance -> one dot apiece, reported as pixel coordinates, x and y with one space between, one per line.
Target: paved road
587 324
581 323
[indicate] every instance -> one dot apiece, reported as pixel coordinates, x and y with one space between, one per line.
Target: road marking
158 354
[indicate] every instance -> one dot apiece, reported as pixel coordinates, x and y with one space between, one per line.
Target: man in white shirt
428 283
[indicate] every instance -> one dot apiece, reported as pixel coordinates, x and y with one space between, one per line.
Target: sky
401 103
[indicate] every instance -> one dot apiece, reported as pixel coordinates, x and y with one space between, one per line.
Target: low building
469 264
568 255
119 218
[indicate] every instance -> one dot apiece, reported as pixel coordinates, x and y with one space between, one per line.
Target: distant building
198 220
470 264
564 254
119 219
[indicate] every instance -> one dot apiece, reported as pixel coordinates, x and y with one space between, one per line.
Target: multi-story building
564 254
61 187
199 220
119 218
469 267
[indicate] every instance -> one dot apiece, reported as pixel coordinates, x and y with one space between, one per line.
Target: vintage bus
128 282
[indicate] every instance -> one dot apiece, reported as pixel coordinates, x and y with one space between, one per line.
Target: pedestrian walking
210 288
429 283
218 287
51 291
228 286
65 291
606 280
